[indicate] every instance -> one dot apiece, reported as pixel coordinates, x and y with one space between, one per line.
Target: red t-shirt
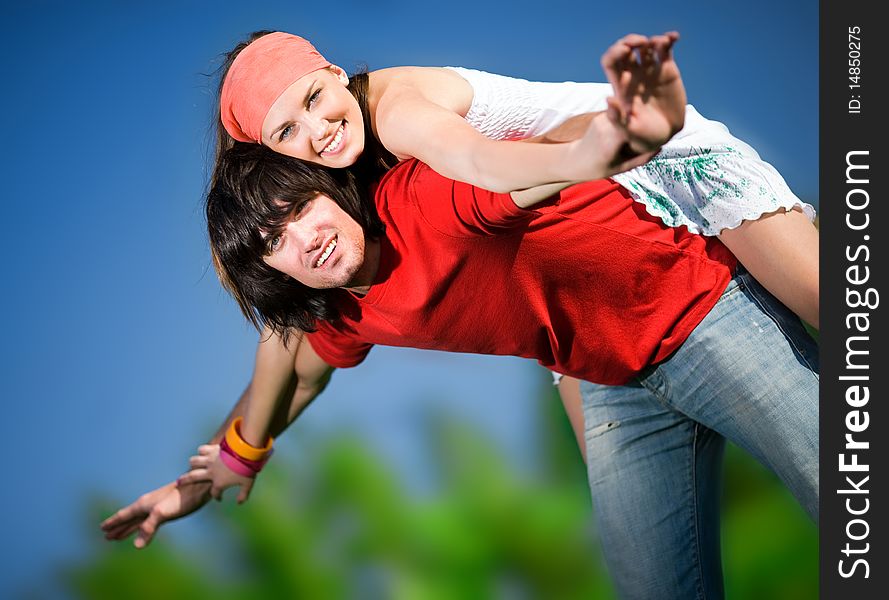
588 284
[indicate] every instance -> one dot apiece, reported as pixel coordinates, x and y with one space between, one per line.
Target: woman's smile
336 144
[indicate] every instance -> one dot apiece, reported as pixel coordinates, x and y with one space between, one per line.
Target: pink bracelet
254 465
235 466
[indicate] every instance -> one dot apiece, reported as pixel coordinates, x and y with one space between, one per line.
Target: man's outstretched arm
166 503
178 499
267 413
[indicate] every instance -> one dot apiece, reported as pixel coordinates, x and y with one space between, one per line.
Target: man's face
321 247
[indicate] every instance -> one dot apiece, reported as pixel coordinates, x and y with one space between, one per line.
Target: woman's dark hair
374 161
254 194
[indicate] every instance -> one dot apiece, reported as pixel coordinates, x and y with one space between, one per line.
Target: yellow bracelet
242 448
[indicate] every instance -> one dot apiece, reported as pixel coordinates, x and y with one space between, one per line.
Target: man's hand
153 509
207 467
648 89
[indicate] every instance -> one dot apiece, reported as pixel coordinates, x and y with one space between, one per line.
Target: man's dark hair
255 191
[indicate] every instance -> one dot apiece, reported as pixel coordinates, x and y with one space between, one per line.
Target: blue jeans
747 373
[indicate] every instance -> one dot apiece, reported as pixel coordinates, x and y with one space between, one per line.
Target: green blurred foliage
340 525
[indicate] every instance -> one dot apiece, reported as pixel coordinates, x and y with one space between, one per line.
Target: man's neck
362 281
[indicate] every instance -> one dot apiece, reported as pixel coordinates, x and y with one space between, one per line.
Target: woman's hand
648 88
153 509
604 149
208 467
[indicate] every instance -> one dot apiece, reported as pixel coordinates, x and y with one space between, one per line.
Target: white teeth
334 144
326 253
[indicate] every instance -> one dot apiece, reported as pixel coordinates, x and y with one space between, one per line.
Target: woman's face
316 119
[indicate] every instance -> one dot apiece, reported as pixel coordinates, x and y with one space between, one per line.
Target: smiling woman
280 92
285 95
296 103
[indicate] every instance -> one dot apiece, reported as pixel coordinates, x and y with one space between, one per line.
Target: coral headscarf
259 74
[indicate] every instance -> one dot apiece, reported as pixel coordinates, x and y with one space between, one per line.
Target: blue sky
120 349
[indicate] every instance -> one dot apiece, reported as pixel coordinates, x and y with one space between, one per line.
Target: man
579 278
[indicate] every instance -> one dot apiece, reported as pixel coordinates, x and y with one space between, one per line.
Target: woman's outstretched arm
411 124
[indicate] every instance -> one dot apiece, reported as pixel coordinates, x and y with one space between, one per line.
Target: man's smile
325 253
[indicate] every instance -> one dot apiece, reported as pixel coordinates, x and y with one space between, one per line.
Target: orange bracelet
242 448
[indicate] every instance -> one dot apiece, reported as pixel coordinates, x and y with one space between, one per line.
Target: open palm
648 88
151 510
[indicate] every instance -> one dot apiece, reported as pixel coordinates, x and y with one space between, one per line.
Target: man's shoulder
406 187
399 183
412 193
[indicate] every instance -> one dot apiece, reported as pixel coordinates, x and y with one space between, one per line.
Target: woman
335 143
277 90
704 178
